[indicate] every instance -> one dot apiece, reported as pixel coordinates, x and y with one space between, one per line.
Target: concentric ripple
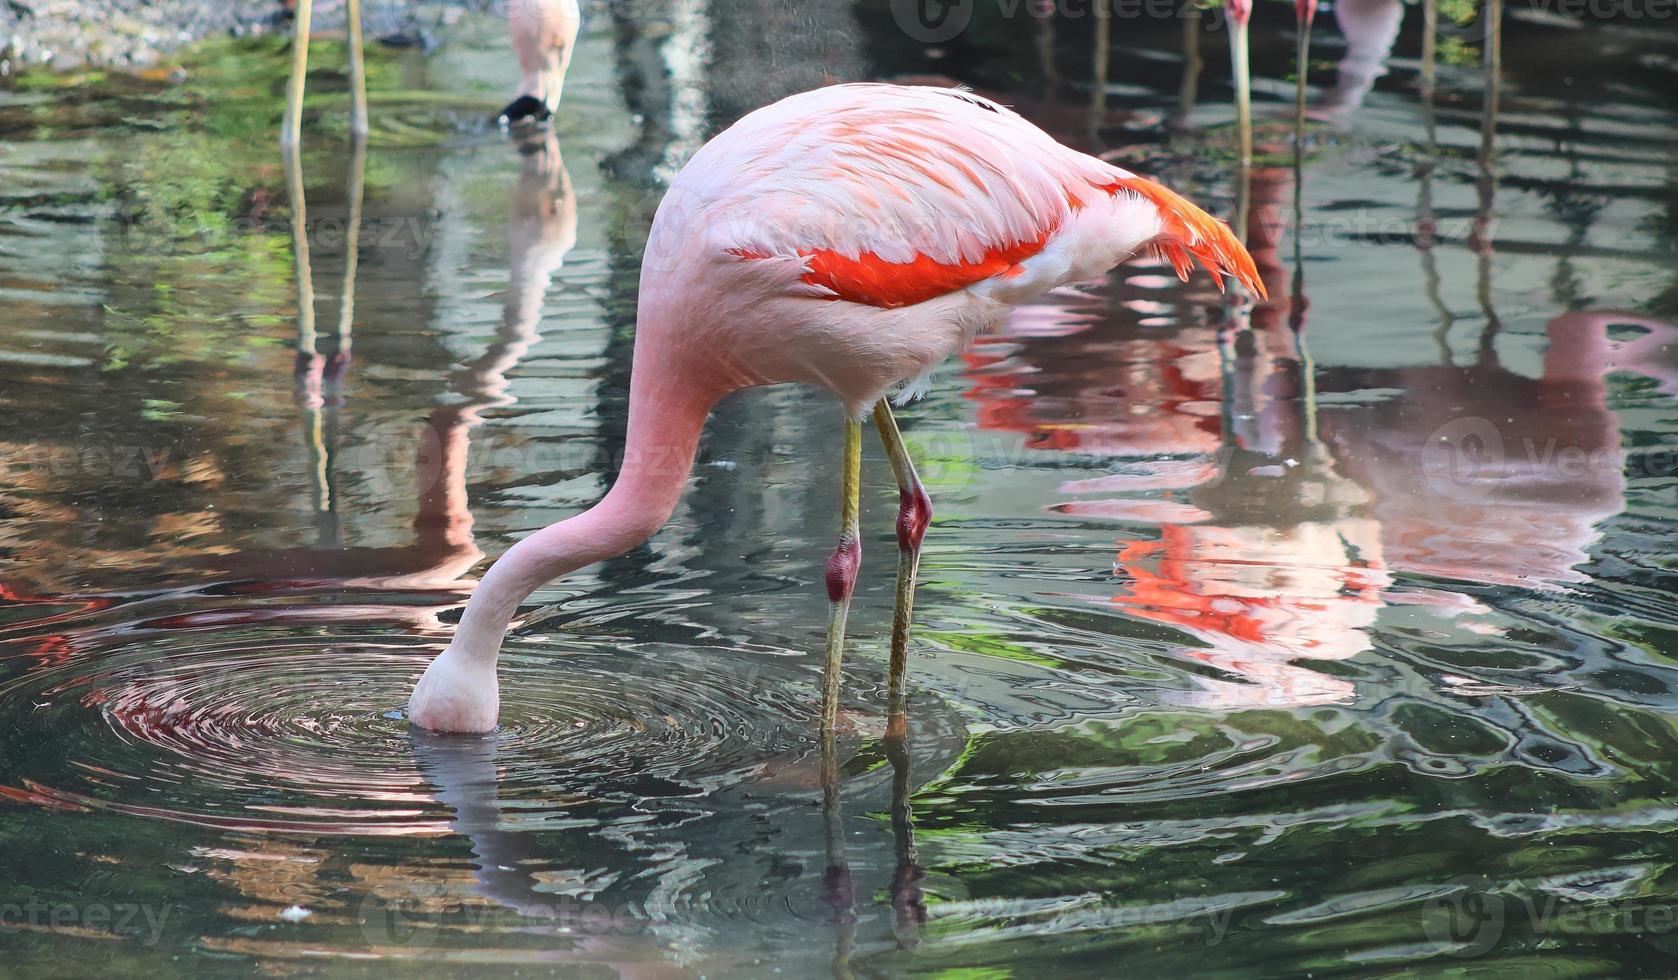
669 783
224 728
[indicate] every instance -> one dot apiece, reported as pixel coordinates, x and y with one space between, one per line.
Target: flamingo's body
543 34
851 237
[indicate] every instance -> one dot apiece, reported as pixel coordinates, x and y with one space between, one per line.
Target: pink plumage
543 34
921 214
852 237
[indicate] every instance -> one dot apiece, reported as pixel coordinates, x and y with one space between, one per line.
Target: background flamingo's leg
358 72
291 129
1243 89
842 570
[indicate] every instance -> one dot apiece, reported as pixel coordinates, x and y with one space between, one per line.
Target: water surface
1330 633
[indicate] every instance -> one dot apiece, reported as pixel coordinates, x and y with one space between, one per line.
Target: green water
1331 634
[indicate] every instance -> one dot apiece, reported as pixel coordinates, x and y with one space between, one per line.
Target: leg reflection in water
839 891
907 902
534 876
838 887
541 229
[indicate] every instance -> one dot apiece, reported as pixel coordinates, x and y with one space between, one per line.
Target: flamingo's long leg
914 512
1243 89
842 570
358 71
291 129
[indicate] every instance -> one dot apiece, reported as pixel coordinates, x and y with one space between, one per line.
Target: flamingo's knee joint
842 568
914 513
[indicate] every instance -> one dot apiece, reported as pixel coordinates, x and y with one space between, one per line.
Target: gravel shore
119 33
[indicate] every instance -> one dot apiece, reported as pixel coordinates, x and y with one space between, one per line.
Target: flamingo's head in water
456 694
526 110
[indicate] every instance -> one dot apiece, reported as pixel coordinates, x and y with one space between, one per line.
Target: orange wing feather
872 280
982 188
1190 233
1187 234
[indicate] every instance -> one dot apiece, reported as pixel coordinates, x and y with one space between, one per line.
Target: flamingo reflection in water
464 775
1264 550
542 228
514 869
1289 525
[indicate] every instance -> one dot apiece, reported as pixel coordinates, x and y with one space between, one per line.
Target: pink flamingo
852 237
543 33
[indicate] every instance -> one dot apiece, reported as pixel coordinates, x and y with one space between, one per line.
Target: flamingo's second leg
914 513
842 570
291 129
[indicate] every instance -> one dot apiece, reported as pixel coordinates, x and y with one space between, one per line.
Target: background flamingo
1371 28
543 33
851 237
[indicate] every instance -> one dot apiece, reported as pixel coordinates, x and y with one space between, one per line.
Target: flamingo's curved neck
667 412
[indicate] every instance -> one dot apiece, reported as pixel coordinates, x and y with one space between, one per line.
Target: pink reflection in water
1283 527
